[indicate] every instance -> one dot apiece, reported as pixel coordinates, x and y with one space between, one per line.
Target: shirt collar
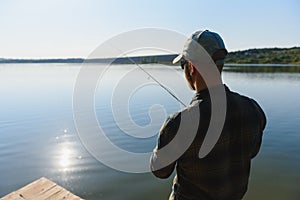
205 93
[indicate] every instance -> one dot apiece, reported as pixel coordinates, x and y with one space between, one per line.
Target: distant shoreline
264 56
164 59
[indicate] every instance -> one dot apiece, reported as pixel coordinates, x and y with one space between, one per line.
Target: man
223 172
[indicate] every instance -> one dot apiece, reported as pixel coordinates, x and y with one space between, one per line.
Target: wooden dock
41 189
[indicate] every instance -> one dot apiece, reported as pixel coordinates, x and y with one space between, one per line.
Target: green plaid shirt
223 174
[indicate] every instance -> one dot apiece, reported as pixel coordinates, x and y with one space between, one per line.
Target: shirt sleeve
166 134
262 124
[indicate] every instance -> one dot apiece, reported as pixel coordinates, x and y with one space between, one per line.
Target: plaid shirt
223 174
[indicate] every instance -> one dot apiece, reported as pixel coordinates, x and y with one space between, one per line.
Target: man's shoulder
239 97
175 118
247 104
171 121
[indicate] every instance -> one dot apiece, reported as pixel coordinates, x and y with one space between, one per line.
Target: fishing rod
155 80
161 85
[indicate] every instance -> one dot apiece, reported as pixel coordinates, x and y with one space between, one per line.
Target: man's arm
167 133
163 172
262 124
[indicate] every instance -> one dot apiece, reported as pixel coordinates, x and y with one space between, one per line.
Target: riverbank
251 56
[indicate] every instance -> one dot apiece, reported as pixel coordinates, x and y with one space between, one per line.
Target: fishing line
154 79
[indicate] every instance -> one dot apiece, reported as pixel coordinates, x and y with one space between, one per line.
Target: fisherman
223 173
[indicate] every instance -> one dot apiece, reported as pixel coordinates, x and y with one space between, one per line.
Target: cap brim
177 59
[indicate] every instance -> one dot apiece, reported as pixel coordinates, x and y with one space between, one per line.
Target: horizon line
133 56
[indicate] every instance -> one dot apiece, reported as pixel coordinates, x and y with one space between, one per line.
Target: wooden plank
47 194
13 196
36 188
41 189
63 194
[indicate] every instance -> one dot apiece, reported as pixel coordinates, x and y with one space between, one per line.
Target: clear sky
74 28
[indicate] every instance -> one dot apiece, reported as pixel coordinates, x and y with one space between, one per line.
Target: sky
74 28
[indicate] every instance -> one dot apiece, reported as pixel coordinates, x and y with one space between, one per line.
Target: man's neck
201 87
199 83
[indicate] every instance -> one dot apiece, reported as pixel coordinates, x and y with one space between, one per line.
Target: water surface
38 136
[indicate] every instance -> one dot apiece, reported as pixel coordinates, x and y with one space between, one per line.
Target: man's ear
192 68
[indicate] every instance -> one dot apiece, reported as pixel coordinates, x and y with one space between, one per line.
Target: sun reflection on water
65 151
65 158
